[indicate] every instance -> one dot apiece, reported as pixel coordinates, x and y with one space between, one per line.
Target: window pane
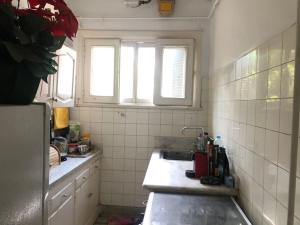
102 71
173 72
65 76
146 65
127 72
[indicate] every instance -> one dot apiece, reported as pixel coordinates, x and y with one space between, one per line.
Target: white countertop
67 167
169 176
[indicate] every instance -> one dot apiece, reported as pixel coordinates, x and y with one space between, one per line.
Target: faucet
192 128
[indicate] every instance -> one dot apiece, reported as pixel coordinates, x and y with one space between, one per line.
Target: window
137 73
174 72
158 72
101 68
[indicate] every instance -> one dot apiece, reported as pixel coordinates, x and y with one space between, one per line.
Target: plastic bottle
218 141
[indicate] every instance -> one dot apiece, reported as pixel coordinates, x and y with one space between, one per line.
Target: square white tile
154 118
284 151
297 200
263 57
270 178
273 114
178 118
286 116
274 82
275 51
260 113
281 214
260 138
272 146
287 80
251 112
289 44
269 209
166 117
262 85
130 129
283 186
253 62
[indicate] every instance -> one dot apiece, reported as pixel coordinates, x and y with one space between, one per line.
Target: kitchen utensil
62 144
54 156
83 149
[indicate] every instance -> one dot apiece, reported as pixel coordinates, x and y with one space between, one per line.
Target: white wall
238 26
252 52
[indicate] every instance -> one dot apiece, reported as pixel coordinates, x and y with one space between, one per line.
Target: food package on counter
74 135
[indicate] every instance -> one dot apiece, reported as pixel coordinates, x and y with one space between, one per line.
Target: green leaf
45 39
7 25
50 69
45 78
21 36
32 23
37 69
19 52
57 44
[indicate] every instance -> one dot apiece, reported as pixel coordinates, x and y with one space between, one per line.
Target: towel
61 118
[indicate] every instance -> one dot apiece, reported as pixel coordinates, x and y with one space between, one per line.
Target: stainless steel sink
176 155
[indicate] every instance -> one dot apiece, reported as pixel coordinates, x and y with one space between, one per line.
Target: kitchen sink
176 155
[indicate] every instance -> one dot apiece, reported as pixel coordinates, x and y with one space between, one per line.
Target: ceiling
117 9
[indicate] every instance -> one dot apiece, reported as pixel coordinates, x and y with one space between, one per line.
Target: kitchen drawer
60 198
94 167
81 178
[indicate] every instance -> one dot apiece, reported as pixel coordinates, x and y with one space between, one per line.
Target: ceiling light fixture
135 3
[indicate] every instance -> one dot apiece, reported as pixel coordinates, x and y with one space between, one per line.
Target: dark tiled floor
123 213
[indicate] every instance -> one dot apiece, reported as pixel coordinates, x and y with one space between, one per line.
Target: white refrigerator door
24 159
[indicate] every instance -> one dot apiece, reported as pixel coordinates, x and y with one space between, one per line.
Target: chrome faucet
192 128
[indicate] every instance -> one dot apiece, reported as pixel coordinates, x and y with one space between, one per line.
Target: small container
73 148
201 164
83 149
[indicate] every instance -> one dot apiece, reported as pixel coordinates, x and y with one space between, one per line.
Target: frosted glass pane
102 71
127 72
146 68
173 73
65 77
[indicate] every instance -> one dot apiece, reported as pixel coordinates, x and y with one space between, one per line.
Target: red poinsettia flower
64 21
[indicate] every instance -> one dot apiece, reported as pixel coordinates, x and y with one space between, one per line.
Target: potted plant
29 38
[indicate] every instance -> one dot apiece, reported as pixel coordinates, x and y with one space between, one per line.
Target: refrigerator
24 160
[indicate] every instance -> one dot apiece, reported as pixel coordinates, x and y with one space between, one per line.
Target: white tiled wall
250 106
127 136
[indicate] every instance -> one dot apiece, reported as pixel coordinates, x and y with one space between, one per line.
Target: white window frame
136 45
188 100
89 44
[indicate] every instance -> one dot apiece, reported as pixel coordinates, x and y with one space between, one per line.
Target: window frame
88 45
136 45
189 86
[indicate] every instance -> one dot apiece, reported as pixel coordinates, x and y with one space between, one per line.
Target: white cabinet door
64 79
44 92
94 191
82 204
64 215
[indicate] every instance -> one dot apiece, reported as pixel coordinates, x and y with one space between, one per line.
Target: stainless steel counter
174 209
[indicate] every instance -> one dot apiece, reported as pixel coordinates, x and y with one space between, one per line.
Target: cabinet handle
97 167
90 195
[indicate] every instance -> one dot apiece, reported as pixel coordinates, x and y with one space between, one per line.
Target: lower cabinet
76 201
87 196
64 215
93 182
